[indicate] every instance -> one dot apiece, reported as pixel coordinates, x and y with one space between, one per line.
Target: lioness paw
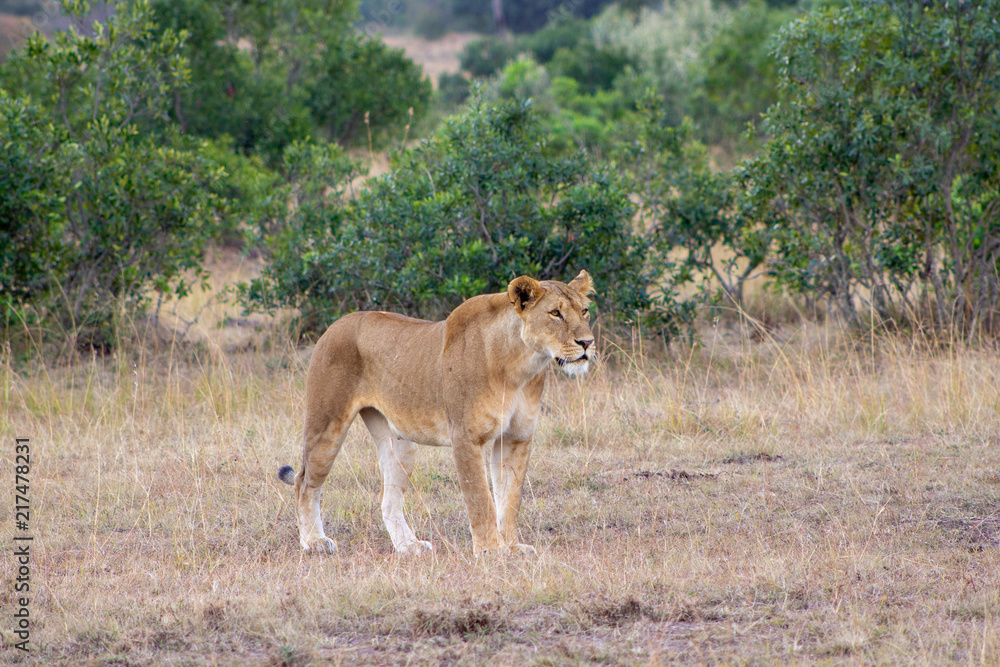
524 549
319 545
415 548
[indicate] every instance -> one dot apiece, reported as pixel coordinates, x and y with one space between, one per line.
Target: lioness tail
286 474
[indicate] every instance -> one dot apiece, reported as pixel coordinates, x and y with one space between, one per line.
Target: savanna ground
804 497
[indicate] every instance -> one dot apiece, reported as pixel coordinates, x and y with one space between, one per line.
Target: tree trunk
499 22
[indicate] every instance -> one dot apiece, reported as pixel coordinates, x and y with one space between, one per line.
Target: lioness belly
423 429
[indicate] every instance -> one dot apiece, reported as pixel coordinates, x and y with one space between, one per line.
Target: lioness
471 381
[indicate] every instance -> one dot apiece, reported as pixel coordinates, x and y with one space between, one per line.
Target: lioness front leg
476 492
508 467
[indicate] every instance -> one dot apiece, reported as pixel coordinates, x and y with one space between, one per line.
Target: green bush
100 212
700 228
571 118
484 200
561 34
666 45
486 56
231 92
741 76
594 68
272 74
453 89
881 165
360 85
30 220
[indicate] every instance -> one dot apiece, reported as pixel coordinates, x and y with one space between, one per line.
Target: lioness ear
583 284
523 291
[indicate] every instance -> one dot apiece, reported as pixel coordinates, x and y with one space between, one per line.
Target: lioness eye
555 313
586 311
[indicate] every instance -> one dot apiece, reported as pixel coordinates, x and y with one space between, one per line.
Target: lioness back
389 362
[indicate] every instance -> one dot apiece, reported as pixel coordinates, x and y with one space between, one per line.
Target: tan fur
473 381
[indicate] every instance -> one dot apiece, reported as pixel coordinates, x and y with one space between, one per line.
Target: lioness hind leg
508 466
395 459
322 444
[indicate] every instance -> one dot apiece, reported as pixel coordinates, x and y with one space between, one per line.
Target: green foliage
271 74
433 18
30 220
253 194
563 33
362 83
699 228
453 89
486 56
564 47
740 80
98 209
484 200
315 177
882 164
571 118
594 68
666 46
526 16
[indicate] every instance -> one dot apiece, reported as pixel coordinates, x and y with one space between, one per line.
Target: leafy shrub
484 200
29 219
698 222
363 84
231 92
486 56
454 89
564 46
252 196
571 118
882 164
594 68
526 16
564 33
666 44
740 80
98 214
305 74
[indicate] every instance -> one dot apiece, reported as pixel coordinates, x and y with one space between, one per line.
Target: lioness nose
585 343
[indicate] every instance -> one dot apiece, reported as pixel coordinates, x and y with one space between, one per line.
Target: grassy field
810 498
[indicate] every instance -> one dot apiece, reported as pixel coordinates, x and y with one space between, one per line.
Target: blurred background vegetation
842 151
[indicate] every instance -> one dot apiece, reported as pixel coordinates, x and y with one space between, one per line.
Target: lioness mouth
562 362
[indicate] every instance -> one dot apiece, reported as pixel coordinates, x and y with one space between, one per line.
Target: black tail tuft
286 474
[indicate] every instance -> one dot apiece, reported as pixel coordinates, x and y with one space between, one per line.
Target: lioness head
556 319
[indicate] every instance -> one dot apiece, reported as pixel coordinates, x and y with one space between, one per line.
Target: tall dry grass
813 497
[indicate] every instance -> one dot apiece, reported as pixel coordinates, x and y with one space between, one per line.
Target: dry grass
813 499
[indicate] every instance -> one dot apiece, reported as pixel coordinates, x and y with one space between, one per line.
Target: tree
695 218
101 204
269 74
484 200
362 85
232 90
740 72
882 164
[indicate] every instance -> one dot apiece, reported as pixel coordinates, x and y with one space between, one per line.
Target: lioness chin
472 381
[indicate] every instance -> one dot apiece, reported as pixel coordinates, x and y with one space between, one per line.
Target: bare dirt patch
437 57
13 31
